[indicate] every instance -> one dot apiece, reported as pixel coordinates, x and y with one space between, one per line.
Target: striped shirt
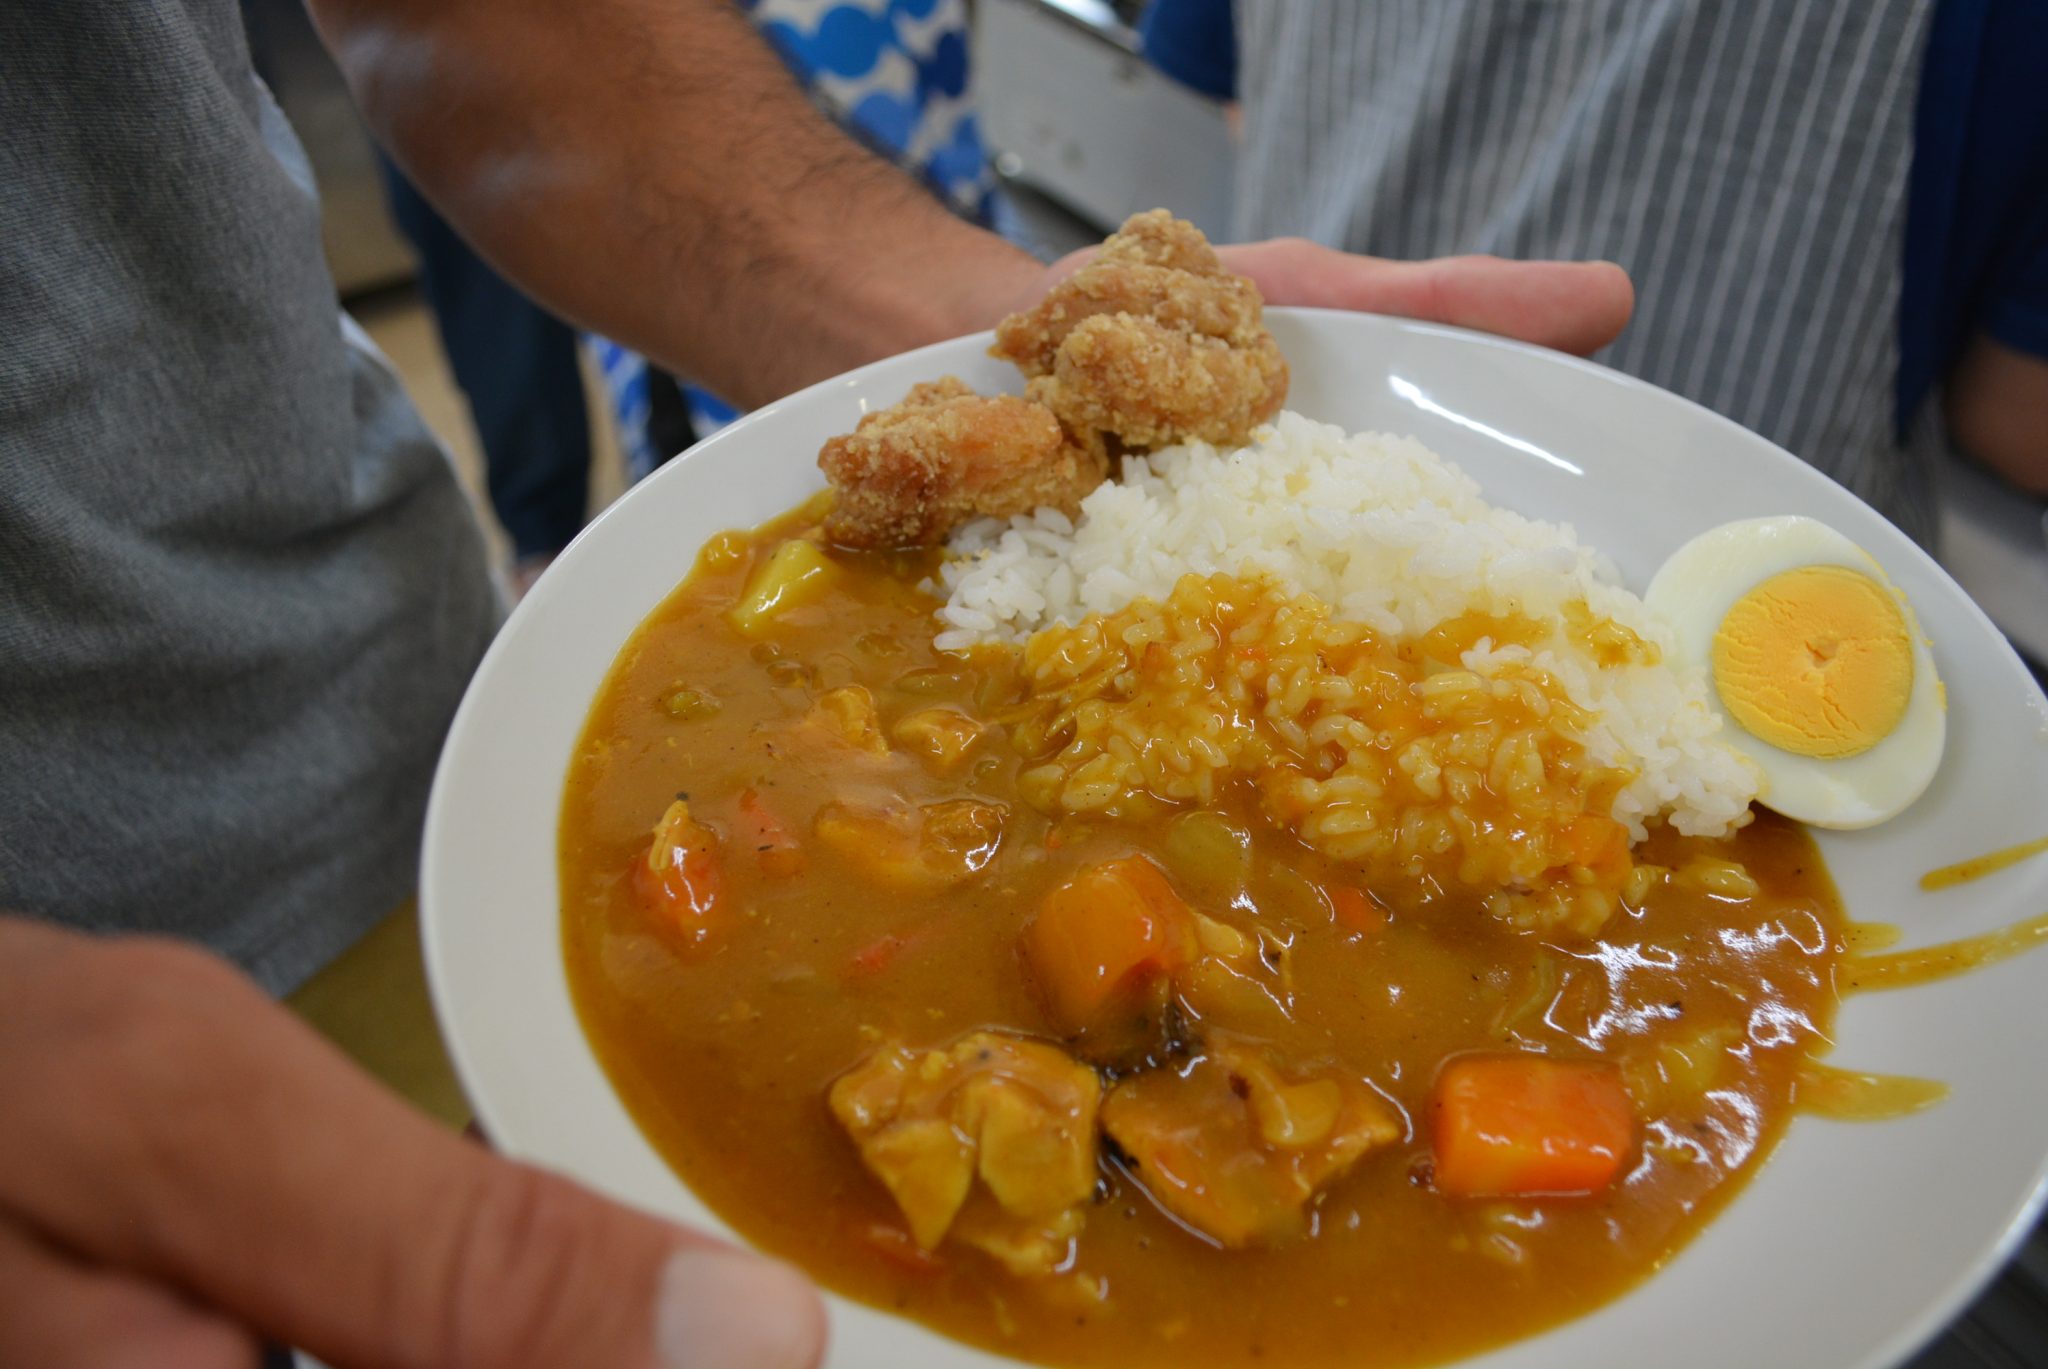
1746 162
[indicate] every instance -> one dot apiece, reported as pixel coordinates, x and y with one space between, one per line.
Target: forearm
1997 402
647 168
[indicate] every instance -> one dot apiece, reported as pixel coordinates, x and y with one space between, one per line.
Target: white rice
1388 534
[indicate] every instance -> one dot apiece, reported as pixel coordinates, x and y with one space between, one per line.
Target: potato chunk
915 850
1017 1115
1238 1150
848 715
940 737
795 574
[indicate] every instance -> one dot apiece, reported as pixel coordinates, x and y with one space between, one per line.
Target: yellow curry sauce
1978 867
1707 996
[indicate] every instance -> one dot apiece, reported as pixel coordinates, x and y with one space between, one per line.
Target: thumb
191 1133
513 1268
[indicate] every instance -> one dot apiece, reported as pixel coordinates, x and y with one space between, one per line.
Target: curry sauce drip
1926 964
1865 937
1977 867
1853 1096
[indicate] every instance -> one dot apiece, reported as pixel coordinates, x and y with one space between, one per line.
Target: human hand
1576 307
186 1170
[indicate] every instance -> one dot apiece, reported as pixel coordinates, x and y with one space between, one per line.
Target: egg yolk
1817 661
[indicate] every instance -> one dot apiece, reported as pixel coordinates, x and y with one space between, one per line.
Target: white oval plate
1853 1245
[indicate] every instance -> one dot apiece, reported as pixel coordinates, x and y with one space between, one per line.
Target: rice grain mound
1422 777
1389 537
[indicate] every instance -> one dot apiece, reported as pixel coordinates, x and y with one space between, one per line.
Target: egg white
1693 592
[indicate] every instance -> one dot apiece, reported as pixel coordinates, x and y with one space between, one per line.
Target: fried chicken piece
1155 265
911 473
1150 385
1152 342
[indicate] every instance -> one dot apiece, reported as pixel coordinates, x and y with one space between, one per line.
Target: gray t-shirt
240 591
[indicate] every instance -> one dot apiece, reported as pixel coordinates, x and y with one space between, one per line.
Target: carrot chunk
762 831
884 951
1357 911
1102 935
1515 1125
682 877
897 1247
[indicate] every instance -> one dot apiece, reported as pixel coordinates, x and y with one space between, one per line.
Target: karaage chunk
1152 342
1151 385
911 473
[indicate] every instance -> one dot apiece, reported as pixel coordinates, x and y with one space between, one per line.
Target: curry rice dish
1173 1059
1272 907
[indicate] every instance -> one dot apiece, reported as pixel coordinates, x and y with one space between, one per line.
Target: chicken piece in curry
1237 1151
991 1139
1169 1085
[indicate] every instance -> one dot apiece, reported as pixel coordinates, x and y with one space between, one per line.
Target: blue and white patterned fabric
894 72
624 374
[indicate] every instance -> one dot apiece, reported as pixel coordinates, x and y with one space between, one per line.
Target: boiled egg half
1816 661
